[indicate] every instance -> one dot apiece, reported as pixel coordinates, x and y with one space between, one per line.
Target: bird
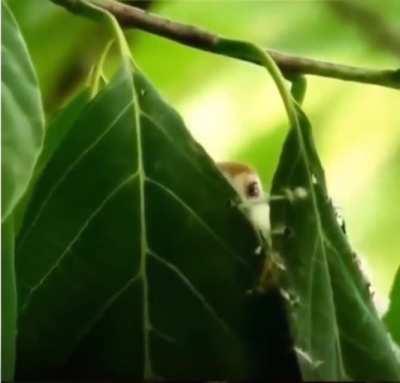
253 200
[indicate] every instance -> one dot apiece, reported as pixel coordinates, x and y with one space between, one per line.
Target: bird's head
244 180
247 184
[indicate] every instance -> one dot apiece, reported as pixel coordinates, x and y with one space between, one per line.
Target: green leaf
8 301
337 332
133 261
59 128
392 317
22 121
21 140
55 134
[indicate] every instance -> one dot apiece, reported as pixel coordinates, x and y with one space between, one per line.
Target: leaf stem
92 8
133 17
299 87
253 52
98 71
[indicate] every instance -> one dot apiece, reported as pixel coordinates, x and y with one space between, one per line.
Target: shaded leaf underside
151 284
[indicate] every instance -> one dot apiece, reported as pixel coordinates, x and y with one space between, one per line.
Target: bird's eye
253 190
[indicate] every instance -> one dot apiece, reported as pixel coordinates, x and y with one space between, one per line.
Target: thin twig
133 17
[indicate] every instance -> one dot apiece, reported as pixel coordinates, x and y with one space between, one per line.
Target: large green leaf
392 317
55 134
338 334
21 140
133 261
22 118
8 301
59 128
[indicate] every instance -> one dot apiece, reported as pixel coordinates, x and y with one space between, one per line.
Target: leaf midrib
321 235
144 248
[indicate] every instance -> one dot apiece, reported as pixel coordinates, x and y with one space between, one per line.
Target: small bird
254 203
247 184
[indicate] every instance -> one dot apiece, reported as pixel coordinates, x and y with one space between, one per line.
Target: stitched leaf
337 332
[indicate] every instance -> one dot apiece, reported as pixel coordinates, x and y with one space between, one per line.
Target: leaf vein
194 291
101 312
70 168
164 133
191 211
74 240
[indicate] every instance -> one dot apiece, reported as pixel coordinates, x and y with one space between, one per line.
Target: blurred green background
233 109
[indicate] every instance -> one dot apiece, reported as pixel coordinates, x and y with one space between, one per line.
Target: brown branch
132 17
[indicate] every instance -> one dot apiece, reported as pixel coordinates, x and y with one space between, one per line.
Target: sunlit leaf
133 261
392 317
22 118
338 334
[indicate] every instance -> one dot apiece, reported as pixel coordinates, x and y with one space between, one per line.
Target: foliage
339 335
393 314
21 142
133 258
172 253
